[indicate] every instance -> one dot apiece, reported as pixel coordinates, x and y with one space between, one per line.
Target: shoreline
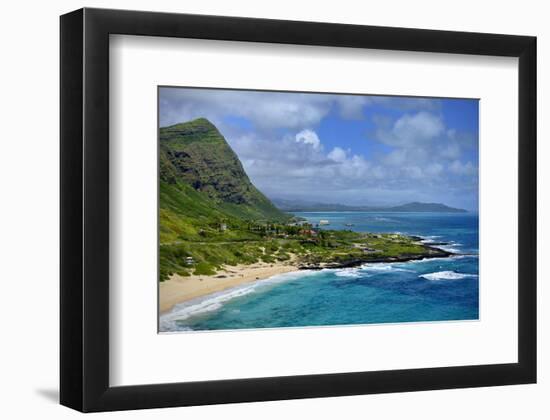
431 253
178 289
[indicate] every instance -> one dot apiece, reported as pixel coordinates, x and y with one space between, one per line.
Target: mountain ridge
297 205
196 154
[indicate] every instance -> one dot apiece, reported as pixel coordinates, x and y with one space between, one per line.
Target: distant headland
297 206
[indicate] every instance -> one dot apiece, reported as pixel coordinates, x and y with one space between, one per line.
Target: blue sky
347 149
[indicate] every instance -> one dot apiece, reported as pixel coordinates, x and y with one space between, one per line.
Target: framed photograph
256 209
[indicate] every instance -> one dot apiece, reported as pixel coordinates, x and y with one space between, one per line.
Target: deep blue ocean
438 289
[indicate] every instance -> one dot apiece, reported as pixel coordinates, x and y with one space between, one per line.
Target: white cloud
396 157
355 168
406 104
423 147
451 150
411 130
266 110
351 106
413 172
298 166
308 137
434 169
463 169
338 154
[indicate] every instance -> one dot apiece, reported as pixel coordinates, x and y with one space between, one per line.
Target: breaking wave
446 275
349 273
213 302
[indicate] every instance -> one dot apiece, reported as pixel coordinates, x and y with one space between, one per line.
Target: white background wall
29 211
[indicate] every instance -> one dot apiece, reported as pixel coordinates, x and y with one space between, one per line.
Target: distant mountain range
296 205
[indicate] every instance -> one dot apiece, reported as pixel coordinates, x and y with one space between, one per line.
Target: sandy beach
178 289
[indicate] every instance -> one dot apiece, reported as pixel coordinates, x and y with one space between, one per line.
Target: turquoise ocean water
438 289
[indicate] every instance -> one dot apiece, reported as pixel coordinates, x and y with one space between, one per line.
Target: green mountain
203 182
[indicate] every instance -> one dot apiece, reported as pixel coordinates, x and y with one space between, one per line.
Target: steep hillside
196 154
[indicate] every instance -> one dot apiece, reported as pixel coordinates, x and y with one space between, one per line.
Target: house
298 223
368 250
323 222
189 260
223 227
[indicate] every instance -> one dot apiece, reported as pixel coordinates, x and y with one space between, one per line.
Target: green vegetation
196 154
211 215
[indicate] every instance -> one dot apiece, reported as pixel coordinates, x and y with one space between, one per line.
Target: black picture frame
84 296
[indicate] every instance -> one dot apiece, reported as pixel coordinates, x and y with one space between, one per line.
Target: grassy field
274 243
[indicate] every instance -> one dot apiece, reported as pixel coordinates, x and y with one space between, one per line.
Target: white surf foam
377 267
446 275
211 303
451 247
349 273
429 239
428 260
384 219
215 301
383 267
